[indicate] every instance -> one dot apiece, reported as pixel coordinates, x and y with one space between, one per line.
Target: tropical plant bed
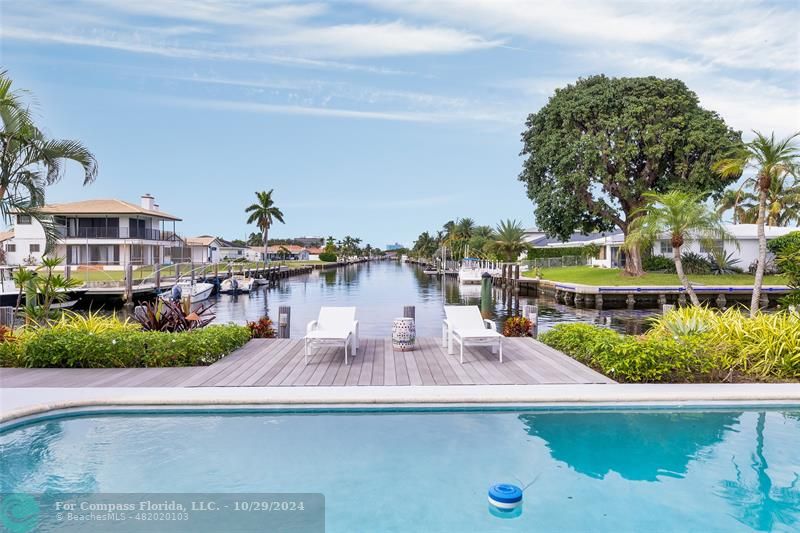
120 345
692 344
614 277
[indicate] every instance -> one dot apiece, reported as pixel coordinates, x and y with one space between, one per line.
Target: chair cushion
328 334
476 333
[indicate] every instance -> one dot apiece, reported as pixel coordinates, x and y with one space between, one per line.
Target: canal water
379 290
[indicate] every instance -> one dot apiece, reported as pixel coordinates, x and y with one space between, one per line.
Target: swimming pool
718 469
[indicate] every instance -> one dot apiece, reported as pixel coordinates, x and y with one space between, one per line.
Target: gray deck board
281 362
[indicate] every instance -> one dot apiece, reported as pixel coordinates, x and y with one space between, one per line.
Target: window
23 219
11 247
34 248
666 247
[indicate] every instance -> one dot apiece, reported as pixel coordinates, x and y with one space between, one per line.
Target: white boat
469 275
198 291
236 284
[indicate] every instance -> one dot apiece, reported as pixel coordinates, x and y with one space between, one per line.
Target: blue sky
378 119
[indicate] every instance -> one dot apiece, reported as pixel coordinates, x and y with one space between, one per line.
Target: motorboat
236 284
198 290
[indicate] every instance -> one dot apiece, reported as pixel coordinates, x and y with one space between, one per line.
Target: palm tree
771 159
734 199
684 217
29 161
509 240
263 213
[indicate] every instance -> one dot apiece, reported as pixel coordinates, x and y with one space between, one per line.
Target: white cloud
375 40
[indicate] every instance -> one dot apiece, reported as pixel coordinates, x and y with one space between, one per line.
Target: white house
254 253
105 234
743 246
288 251
204 249
230 252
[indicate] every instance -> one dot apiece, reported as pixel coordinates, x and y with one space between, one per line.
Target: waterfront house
254 253
313 253
290 252
229 251
204 249
743 245
104 234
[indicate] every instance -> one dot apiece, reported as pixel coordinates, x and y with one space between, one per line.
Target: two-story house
104 233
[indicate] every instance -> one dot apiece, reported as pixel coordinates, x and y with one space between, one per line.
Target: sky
377 119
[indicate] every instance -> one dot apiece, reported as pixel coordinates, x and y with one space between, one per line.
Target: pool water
614 470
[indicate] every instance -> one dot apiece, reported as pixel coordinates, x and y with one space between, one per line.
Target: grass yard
613 277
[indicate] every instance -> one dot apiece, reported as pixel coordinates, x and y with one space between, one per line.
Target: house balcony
115 233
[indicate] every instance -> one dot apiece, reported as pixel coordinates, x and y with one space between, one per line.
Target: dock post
157 276
682 299
230 271
722 302
191 270
598 302
630 301
129 284
662 300
284 321
68 272
579 299
216 270
531 312
177 272
409 311
516 278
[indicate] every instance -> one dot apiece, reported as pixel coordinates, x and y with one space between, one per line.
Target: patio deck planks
280 362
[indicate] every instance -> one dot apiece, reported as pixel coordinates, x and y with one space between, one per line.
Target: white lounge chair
335 325
465 325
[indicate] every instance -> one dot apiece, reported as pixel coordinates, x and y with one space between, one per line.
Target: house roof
750 231
6 235
315 250
202 240
291 248
228 244
576 239
103 207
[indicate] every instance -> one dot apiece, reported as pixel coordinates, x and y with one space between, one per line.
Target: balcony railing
114 233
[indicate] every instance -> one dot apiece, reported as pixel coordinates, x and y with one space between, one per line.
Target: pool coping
18 403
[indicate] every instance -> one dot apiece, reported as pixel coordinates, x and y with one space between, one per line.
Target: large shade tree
771 159
599 145
30 161
263 213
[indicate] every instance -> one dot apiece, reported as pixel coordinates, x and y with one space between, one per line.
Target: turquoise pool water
616 470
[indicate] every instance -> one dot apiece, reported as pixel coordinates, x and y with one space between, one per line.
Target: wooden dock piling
284 321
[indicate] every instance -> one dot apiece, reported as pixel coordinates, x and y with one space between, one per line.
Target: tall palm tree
29 161
771 159
509 240
684 217
263 213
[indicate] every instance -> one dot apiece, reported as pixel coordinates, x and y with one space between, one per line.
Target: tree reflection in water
759 504
638 446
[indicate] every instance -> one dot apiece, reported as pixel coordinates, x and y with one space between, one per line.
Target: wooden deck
279 362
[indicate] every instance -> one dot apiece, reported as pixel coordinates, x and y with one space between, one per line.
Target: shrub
695 263
658 263
589 250
769 267
722 263
327 257
689 344
517 326
261 329
120 348
790 265
788 243
162 315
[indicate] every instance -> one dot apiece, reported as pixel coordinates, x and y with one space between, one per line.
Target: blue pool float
505 497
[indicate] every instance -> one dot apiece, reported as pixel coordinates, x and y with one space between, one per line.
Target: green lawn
613 276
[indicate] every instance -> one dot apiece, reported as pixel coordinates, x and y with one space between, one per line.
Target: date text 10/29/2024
174 513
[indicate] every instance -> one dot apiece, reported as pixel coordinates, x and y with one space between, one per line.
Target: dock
280 363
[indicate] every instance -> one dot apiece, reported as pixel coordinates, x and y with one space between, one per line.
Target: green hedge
588 250
785 244
119 349
632 359
327 257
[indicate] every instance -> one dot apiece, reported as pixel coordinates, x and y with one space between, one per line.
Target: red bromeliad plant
170 317
261 329
517 326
